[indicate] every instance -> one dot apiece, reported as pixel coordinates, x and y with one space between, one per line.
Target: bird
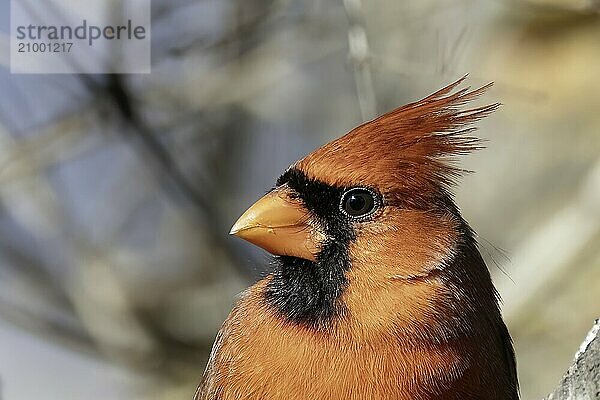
377 288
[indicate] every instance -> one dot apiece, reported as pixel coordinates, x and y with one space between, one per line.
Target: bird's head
364 228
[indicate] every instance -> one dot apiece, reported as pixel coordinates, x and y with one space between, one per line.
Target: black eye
359 202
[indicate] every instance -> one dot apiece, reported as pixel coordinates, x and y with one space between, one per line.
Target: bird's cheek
404 243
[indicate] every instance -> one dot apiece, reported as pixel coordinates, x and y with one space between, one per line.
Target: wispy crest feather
415 145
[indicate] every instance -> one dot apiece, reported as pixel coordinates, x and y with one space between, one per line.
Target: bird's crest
413 146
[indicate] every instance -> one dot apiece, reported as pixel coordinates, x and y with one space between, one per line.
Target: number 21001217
27 47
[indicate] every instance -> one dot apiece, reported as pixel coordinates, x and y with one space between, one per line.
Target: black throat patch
308 292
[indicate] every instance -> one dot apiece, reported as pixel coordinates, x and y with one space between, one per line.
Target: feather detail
415 145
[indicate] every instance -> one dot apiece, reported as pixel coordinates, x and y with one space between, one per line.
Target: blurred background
117 191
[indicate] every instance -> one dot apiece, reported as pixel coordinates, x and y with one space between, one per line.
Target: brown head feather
407 151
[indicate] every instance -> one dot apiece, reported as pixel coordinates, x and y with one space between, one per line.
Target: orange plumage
378 290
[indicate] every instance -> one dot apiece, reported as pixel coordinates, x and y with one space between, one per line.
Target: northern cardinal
377 290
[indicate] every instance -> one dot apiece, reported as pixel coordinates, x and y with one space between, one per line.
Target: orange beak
281 225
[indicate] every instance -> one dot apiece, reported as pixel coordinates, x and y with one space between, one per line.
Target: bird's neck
448 321
340 363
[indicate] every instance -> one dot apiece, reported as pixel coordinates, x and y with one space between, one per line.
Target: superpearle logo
70 36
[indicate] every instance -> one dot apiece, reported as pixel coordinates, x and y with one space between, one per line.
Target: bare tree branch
582 380
360 58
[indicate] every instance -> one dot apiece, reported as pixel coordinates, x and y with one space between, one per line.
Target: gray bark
582 380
